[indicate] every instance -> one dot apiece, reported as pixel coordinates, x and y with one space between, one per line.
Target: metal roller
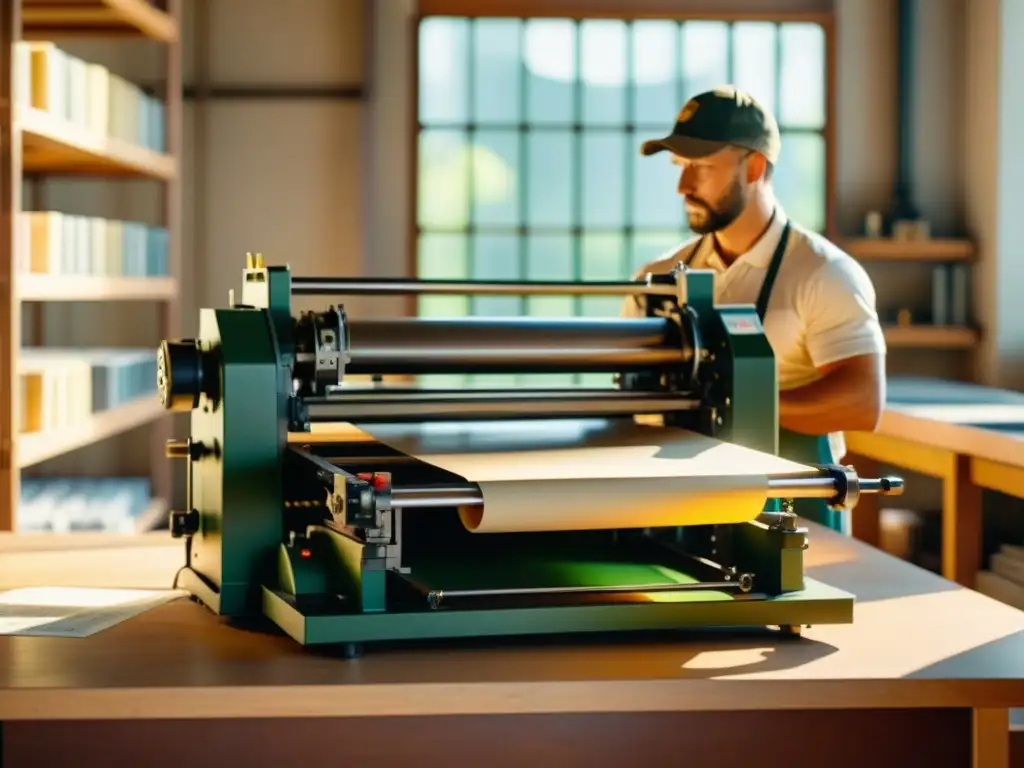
514 345
809 486
379 406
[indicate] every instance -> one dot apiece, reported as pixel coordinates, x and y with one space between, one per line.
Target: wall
322 184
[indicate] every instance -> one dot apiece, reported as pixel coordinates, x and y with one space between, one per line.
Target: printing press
351 541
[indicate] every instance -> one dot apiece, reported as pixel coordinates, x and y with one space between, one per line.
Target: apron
794 446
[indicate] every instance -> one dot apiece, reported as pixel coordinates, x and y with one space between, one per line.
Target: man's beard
715 218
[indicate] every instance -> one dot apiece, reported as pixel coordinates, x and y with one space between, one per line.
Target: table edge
501 698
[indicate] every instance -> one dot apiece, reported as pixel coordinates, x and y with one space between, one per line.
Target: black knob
184 523
179 375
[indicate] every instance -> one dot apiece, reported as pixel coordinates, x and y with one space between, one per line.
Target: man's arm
845 343
849 396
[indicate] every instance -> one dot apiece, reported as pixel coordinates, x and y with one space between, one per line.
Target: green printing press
353 542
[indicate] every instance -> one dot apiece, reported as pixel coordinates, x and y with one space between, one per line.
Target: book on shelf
56 243
61 387
87 95
74 504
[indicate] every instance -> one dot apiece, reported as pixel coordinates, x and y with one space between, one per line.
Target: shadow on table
896 579
696 654
998 659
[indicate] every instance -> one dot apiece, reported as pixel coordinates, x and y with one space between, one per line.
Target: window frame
673 10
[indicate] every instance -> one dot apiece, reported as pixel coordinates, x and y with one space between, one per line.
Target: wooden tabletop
965 418
917 641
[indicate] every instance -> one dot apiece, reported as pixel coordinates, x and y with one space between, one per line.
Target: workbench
968 436
924 677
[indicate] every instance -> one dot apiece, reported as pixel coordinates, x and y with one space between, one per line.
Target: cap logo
687 111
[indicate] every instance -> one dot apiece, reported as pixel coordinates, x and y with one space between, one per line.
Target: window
529 144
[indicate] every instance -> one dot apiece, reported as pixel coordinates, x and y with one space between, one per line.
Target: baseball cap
724 116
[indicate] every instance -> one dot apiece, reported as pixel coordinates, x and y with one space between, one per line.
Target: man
817 304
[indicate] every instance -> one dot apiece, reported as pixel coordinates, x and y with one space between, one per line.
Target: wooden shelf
46 19
931 336
885 249
87 288
53 145
40 446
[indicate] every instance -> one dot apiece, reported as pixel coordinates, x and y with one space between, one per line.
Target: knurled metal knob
184 523
179 375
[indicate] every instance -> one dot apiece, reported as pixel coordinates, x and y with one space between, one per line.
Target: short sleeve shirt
822 307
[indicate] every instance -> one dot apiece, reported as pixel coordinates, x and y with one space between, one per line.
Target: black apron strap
773 270
769 278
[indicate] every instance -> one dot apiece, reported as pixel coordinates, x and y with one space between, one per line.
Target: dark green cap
715 119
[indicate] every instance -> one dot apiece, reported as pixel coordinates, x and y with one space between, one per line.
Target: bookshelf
63 116
928 250
949 260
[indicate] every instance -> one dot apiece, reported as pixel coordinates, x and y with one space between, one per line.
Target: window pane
549 50
613 210
650 245
442 256
754 64
705 56
799 179
655 202
443 180
496 257
656 96
550 257
603 71
495 159
604 184
603 258
802 75
550 178
496 70
443 64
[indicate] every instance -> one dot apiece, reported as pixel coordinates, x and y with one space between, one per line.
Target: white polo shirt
821 310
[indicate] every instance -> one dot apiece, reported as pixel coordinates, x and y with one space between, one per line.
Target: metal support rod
329 286
811 487
435 597
462 406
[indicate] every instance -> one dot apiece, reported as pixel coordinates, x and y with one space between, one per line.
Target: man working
817 304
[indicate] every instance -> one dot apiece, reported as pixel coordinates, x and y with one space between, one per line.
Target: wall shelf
59 129
931 336
886 249
40 446
53 145
46 19
86 288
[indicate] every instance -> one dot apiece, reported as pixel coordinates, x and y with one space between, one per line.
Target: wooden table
968 436
925 676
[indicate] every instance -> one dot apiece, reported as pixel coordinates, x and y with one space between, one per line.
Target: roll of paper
591 474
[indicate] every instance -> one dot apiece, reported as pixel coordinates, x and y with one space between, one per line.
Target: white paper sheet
74 611
591 473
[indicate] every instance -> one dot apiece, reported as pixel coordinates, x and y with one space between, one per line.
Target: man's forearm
835 403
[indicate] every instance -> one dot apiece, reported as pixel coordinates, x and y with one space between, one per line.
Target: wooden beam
815 11
275 92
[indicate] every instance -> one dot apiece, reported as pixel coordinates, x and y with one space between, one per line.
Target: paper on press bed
74 611
592 473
